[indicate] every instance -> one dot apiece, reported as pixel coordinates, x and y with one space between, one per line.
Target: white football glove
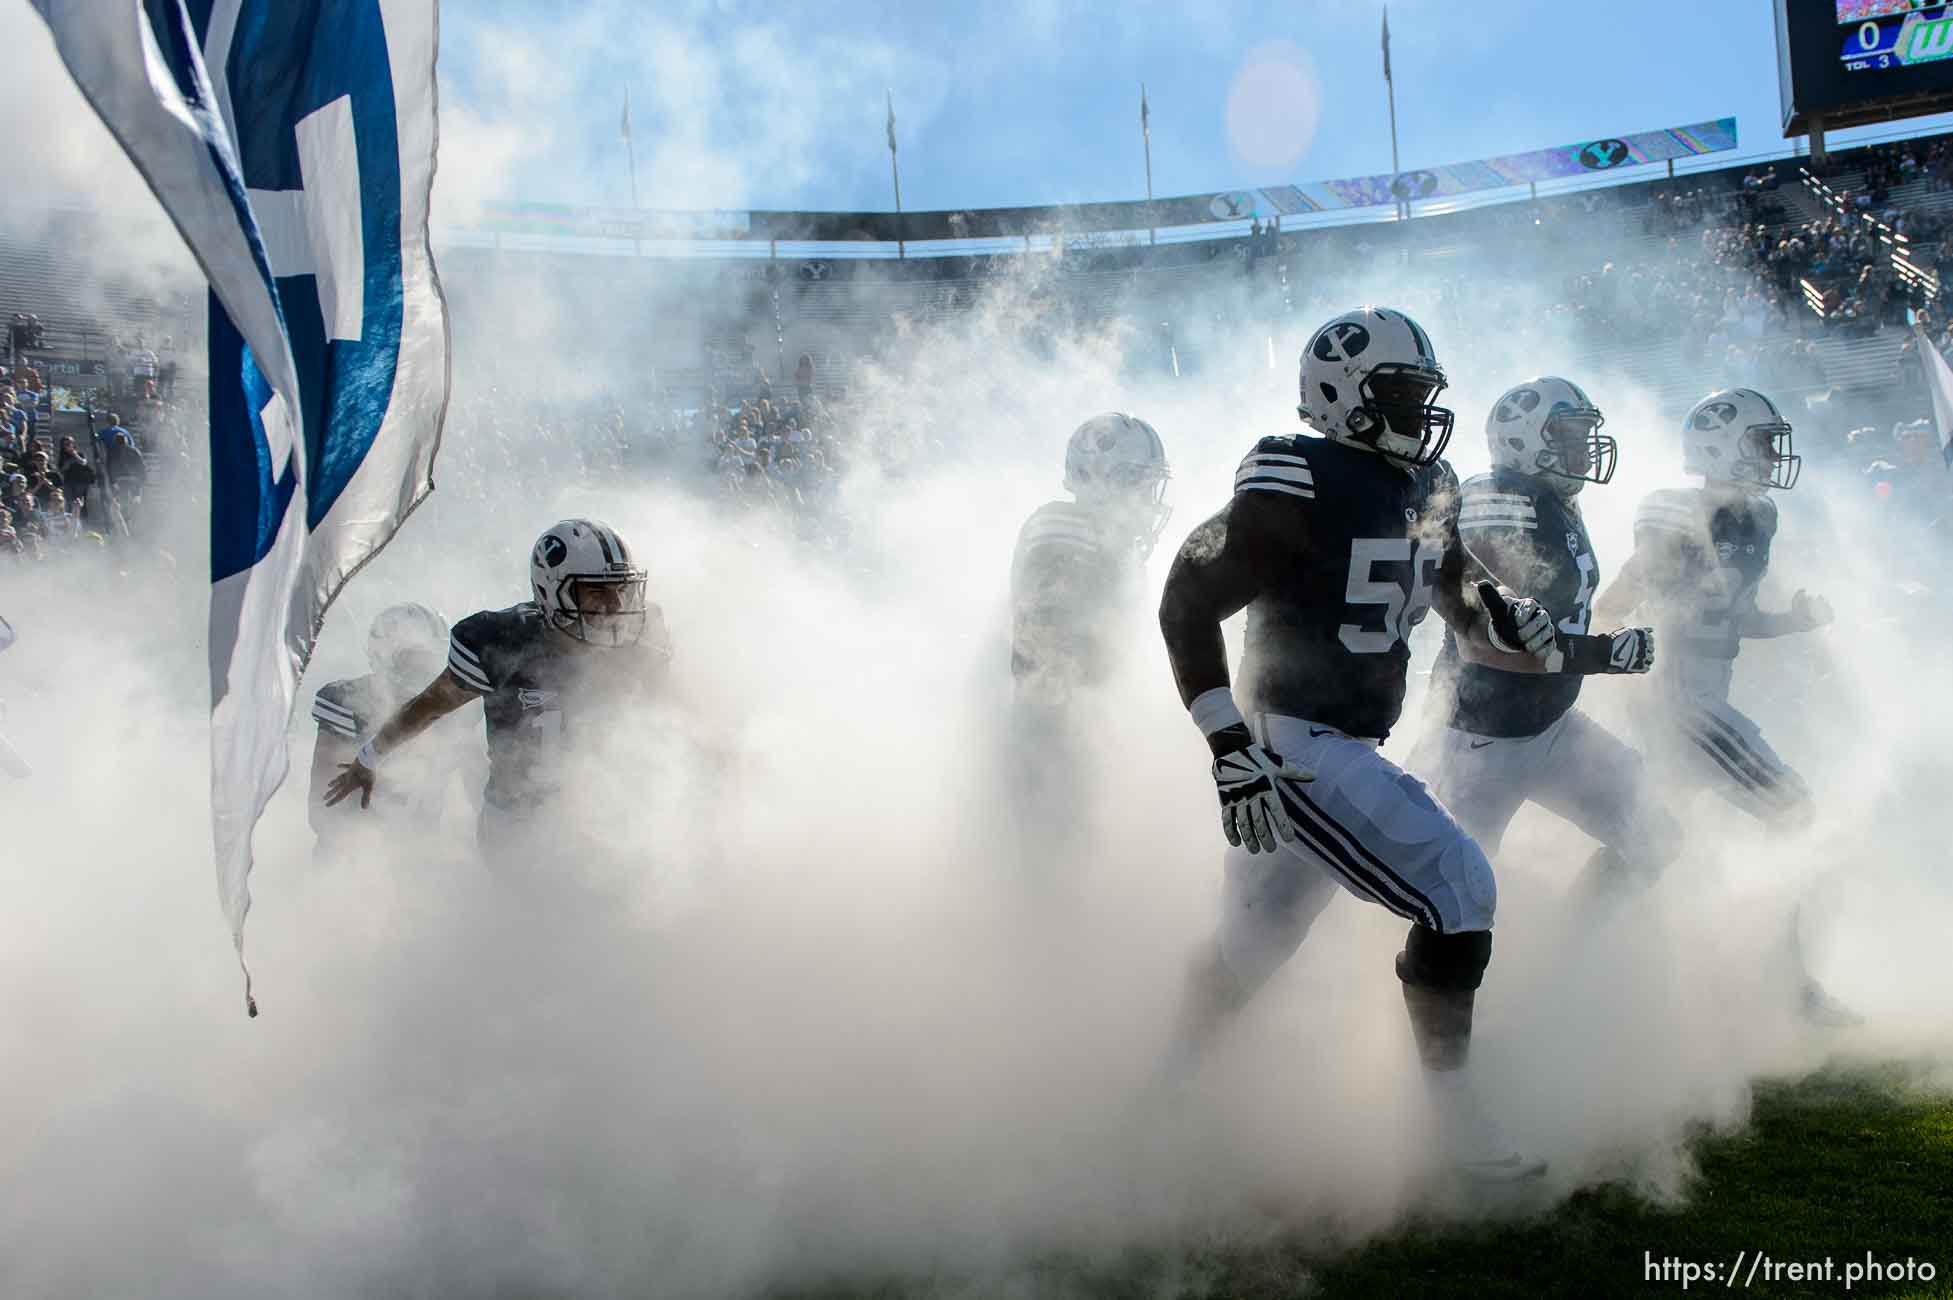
1245 776
1520 625
1810 611
1631 650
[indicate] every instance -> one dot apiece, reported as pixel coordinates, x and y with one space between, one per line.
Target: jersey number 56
1404 594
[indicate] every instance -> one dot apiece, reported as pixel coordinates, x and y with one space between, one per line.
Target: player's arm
330 752
1806 612
336 744
442 696
1222 566
1051 643
1517 634
1617 603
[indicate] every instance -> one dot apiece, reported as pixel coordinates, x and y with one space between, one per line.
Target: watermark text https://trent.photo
1751 1267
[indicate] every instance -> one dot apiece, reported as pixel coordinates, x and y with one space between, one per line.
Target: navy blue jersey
540 690
351 709
1533 541
1707 554
1336 555
1068 576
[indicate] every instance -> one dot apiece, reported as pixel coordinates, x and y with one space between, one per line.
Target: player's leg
1745 769
1268 903
1755 779
1480 780
1600 784
1378 830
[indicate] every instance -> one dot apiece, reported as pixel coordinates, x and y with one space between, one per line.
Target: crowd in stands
64 491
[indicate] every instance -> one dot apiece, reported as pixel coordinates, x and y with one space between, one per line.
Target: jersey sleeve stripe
1260 484
1488 525
455 647
1274 458
1273 474
468 675
337 724
321 705
1682 524
1501 498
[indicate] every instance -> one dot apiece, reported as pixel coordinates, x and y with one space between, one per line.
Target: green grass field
1836 1164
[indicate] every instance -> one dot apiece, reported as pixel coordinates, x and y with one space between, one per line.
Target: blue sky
1026 101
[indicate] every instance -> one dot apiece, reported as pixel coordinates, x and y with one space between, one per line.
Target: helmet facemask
1135 493
1577 452
1396 417
1765 459
600 609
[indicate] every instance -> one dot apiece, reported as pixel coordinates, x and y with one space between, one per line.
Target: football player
545 671
1699 556
405 648
10 760
1337 544
1077 567
1076 560
1505 736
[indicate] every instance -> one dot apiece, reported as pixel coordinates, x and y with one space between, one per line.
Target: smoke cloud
794 1004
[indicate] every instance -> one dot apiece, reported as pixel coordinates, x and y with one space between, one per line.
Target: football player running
1337 544
551 672
1076 561
405 647
10 760
1077 567
1506 737
1699 556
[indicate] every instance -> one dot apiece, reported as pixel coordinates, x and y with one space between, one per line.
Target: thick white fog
805 1013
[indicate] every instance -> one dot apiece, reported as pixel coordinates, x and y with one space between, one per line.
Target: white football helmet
586 585
1367 379
1546 427
1117 463
407 645
1737 436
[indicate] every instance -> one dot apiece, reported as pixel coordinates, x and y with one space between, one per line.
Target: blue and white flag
1939 378
292 142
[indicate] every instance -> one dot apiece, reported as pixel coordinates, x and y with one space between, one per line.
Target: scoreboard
1849 62
1898 37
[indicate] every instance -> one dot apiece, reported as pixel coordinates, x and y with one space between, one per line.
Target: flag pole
1146 138
895 172
630 149
1390 84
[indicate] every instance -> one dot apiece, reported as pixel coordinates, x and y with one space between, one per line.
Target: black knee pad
1454 962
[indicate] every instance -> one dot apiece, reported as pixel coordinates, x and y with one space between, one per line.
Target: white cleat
1826 1012
1475 1150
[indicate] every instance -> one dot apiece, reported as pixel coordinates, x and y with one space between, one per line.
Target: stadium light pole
1390 86
630 150
895 172
1146 139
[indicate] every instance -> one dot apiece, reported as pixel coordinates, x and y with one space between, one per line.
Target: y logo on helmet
1523 402
1343 341
1716 415
551 552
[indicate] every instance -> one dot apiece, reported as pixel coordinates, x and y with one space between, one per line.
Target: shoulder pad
474 636
1495 501
1672 511
1276 465
336 709
1766 514
1063 524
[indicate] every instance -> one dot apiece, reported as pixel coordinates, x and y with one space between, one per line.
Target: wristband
1213 709
368 757
1587 655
